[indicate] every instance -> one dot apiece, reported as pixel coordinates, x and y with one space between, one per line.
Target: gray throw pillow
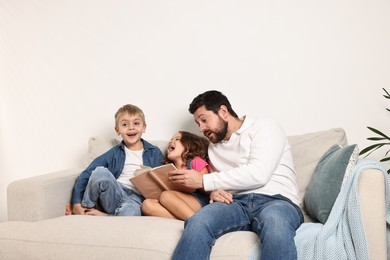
325 184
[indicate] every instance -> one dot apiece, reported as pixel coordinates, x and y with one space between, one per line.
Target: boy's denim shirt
114 161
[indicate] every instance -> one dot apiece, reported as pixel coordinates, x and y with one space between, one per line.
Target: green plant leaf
388 95
378 132
376 138
369 148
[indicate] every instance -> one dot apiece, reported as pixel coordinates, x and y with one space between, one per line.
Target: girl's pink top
198 164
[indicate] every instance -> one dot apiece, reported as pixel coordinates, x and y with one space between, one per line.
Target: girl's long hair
194 145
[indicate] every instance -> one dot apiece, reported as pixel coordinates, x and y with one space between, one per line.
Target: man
252 160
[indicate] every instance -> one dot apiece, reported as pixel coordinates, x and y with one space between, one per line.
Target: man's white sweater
256 159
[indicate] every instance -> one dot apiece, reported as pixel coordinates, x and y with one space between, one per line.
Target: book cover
152 181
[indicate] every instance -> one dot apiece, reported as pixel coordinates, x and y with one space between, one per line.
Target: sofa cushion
98 145
92 237
328 177
307 150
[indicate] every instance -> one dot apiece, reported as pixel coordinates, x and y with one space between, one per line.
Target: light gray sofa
37 228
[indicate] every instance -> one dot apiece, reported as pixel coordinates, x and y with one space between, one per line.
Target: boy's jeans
107 194
274 218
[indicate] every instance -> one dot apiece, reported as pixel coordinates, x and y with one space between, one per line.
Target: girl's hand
221 196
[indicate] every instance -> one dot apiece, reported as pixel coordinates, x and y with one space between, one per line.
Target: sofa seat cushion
91 237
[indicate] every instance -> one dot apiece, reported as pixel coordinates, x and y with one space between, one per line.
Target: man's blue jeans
104 192
274 218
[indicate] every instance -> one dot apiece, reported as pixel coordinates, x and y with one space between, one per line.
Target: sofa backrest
306 150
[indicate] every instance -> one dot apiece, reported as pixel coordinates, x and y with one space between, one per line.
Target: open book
152 181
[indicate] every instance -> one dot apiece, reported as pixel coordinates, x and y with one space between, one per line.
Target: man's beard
221 131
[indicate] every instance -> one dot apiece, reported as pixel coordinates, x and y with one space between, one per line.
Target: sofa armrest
373 210
41 197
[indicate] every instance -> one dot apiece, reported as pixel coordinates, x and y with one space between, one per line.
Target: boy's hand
188 178
221 196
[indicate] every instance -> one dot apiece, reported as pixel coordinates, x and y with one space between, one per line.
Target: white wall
66 66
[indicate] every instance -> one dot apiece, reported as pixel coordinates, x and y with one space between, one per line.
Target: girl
186 151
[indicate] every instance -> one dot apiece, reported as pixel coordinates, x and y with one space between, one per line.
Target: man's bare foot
95 212
68 209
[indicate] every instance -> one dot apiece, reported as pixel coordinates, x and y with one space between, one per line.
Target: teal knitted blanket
342 236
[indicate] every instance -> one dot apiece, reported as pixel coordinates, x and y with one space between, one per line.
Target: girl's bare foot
95 212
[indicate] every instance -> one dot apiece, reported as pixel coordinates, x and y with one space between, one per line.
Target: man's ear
223 112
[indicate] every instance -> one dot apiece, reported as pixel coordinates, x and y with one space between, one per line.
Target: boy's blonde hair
131 110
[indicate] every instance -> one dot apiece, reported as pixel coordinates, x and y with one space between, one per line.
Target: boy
104 188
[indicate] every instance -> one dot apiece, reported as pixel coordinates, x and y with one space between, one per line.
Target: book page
152 182
143 169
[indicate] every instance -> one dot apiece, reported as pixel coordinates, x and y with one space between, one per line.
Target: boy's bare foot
68 209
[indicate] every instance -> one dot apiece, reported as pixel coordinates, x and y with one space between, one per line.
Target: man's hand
221 196
188 178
